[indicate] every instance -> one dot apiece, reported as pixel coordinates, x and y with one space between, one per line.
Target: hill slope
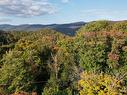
68 29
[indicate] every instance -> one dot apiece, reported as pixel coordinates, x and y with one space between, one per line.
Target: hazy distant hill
68 29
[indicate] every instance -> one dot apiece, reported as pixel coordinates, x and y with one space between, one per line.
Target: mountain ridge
66 28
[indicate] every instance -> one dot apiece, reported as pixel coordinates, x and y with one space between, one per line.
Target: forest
47 62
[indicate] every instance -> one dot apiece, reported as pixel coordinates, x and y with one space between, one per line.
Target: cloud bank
26 8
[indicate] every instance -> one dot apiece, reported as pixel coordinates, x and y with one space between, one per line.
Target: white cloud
26 8
65 1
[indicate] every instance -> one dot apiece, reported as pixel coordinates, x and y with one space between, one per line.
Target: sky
60 11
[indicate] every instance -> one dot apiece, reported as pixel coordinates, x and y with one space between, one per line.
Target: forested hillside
68 29
46 62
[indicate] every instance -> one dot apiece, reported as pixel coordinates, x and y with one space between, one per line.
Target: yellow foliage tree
101 84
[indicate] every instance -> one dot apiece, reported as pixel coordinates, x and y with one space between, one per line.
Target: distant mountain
68 29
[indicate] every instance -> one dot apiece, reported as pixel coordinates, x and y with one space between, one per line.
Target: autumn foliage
46 62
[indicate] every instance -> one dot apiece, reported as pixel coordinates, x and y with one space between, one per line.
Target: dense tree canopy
46 62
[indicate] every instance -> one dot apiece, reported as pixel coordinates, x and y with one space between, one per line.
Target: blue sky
60 11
